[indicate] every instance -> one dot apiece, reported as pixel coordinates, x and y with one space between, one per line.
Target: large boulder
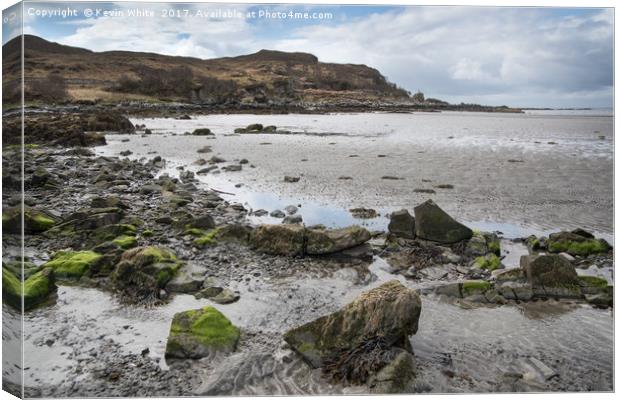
551 274
37 288
434 224
74 264
327 241
201 333
576 243
285 239
34 221
388 314
402 224
143 271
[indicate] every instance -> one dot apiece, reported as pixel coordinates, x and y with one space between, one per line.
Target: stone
432 223
73 264
226 296
277 214
143 271
576 244
549 270
390 312
516 291
395 377
189 279
363 213
291 209
287 240
35 221
510 274
291 179
402 224
202 222
36 288
292 219
202 132
201 333
323 241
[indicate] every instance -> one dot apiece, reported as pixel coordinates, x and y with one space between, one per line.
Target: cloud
492 55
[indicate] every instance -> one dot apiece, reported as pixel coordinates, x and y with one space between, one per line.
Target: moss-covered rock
395 377
17 267
287 240
402 224
549 270
490 262
576 244
73 264
328 241
34 221
470 288
206 239
390 311
434 224
143 271
201 333
125 242
37 288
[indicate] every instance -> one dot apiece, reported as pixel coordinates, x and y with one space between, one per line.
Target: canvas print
216 199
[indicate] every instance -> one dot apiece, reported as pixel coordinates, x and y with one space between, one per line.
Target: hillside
55 72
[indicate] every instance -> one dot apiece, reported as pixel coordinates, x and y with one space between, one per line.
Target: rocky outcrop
402 224
434 224
67 129
143 271
576 243
37 288
296 240
328 241
35 221
551 275
355 343
201 333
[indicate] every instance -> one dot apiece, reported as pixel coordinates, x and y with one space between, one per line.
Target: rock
490 262
321 241
291 179
188 279
204 149
291 209
73 264
464 289
602 300
233 168
511 274
201 333
217 160
202 132
432 223
363 213
226 296
283 239
143 271
37 288
396 376
202 222
150 188
35 221
402 224
593 285
516 291
292 219
549 271
126 153
236 233
576 244
389 312
277 214
260 212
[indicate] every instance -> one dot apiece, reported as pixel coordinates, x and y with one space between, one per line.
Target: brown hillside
266 77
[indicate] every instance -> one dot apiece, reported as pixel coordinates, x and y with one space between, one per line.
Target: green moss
593 281
490 262
208 239
164 275
125 242
475 287
157 254
36 288
494 247
306 347
208 326
40 223
72 264
589 246
110 232
147 233
195 232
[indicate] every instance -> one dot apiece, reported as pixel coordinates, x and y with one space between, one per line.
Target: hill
55 72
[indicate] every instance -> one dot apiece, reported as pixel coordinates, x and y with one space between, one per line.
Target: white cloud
518 56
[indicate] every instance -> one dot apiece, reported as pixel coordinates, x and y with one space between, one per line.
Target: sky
522 57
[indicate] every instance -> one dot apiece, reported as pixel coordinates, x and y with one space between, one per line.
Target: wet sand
499 173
